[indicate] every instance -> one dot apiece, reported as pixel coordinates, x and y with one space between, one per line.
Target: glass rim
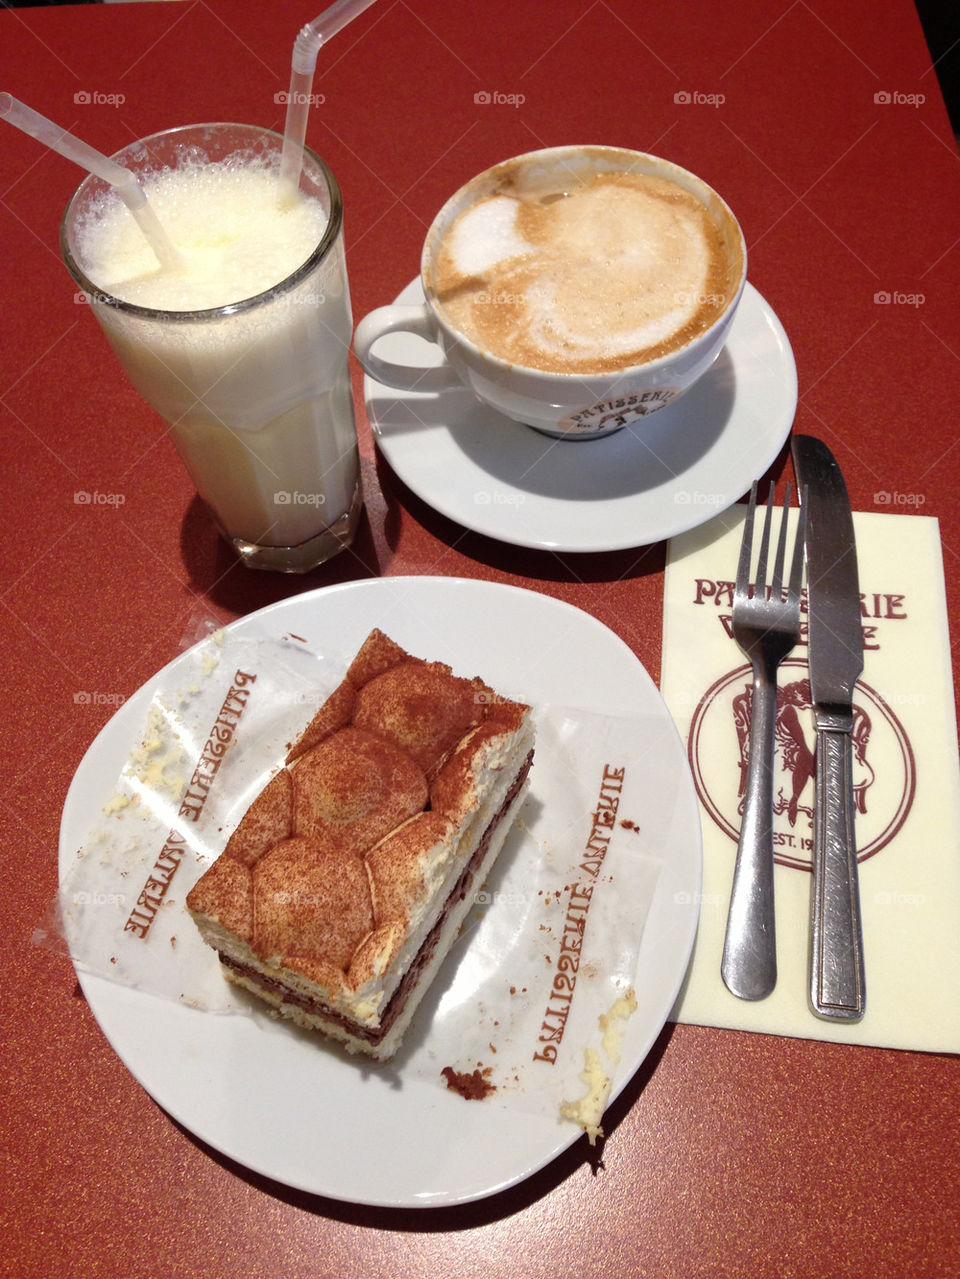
288 283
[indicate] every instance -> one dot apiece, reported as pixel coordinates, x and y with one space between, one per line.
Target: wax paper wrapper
539 983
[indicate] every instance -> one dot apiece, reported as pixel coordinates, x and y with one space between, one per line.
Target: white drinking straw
125 182
305 49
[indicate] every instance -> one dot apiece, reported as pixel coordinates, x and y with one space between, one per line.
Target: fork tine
777 586
796 568
761 579
746 546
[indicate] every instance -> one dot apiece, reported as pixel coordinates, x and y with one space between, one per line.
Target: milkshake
243 347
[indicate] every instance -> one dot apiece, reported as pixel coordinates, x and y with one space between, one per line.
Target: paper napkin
905 773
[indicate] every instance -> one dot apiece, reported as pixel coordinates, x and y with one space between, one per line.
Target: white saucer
659 476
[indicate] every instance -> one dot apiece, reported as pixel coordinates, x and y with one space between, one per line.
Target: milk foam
486 235
618 270
235 234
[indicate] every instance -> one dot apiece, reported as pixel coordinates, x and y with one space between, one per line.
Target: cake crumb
472 1086
587 1111
620 1010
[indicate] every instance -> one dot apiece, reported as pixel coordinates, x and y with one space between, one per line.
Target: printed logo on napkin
906 789
717 745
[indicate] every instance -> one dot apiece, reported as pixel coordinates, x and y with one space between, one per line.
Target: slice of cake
344 886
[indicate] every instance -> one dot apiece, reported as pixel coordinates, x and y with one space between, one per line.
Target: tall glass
257 393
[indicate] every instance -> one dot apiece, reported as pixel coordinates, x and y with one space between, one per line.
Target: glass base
309 554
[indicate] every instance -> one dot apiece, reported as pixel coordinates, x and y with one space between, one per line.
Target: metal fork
766 625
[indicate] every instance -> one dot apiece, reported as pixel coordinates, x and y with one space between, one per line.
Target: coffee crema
607 271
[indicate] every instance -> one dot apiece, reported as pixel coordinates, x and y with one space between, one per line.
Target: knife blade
835 656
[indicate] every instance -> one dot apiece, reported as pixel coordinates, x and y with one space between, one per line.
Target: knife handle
837 985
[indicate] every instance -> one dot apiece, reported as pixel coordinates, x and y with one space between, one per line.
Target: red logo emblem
884 771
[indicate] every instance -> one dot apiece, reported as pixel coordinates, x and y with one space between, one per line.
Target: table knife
835 636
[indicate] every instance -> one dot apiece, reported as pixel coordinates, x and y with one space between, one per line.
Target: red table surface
729 1153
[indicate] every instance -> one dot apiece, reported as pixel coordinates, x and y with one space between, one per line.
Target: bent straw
72 148
305 49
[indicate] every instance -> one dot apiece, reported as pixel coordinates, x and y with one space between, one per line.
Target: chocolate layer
410 978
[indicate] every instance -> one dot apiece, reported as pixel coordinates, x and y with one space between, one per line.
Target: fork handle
837 984
749 965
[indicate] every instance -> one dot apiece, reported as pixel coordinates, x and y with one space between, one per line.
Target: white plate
659 476
269 1096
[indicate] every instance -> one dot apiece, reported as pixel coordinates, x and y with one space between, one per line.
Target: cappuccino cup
574 289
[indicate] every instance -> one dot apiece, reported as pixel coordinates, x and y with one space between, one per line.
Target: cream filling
493 775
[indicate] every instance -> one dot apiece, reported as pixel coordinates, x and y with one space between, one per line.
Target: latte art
617 270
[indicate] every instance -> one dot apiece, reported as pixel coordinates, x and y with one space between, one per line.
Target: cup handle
402 377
